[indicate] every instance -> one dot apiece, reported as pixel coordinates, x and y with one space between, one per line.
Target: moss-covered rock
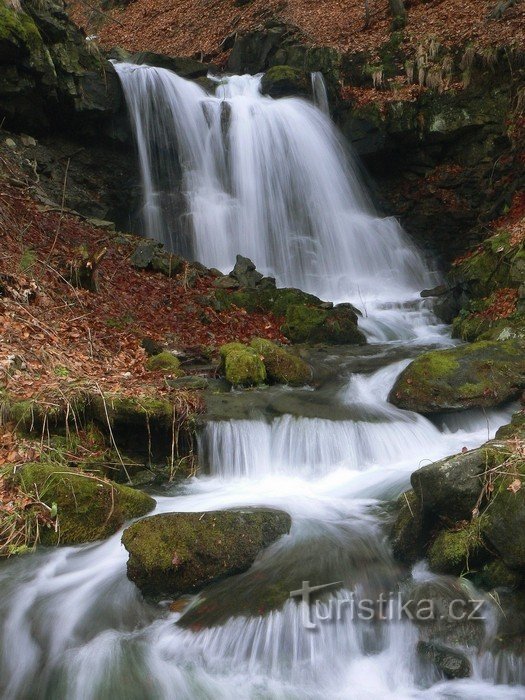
514 429
19 34
165 361
457 551
408 533
176 553
282 367
88 508
242 365
480 375
504 520
450 488
310 324
283 81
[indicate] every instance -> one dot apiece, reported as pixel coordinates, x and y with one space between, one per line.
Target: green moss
182 552
88 508
17 27
302 323
285 80
282 366
516 427
496 575
482 374
456 551
165 361
243 366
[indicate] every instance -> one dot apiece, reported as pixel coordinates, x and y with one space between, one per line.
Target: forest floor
199 27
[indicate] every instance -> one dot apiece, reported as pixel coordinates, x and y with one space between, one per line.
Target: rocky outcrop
51 77
87 507
465 514
307 319
479 375
285 81
175 553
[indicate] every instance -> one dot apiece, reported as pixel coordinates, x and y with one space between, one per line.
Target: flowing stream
241 173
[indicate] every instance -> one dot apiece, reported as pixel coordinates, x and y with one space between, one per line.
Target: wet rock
447 612
284 81
88 508
309 324
150 255
514 429
242 365
504 520
408 532
175 553
480 375
458 551
183 66
282 367
451 487
450 662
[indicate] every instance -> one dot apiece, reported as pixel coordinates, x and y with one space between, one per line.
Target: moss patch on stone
165 361
88 508
456 551
479 375
282 367
242 365
310 324
176 553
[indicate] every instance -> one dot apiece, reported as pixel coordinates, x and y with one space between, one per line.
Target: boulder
242 365
480 375
282 367
458 551
165 362
285 81
314 324
175 553
245 273
184 66
88 507
450 488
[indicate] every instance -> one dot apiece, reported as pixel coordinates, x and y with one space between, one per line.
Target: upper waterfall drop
238 172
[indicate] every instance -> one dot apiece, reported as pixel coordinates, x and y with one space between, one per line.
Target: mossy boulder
242 365
19 35
175 553
311 324
514 429
88 508
166 362
282 367
480 375
285 81
450 488
504 520
457 551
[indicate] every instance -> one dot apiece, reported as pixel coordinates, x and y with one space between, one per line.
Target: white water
72 627
271 180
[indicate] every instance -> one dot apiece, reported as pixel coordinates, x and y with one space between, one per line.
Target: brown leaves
515 486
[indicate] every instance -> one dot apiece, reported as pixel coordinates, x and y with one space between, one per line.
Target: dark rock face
284 81
51 77
479 375
176 553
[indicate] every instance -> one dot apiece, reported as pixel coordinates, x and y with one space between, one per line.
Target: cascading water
239 172
267 179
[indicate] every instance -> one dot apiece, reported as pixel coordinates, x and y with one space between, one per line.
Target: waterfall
238 172
319 92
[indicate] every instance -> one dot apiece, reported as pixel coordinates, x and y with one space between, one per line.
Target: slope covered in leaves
54 336
199 27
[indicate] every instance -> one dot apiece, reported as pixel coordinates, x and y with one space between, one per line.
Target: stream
275 184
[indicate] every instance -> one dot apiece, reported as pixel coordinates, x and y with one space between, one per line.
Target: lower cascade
240 173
